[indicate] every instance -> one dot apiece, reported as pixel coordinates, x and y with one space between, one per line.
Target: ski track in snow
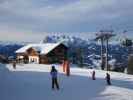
33 82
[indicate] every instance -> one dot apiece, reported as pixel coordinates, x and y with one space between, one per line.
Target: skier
93 75
14 64
108 78
54 77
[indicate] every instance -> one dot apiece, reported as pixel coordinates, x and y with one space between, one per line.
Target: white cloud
25 16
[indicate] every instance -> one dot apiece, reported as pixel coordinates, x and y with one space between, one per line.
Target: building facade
42 53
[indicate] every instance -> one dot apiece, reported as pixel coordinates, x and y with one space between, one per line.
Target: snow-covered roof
43 48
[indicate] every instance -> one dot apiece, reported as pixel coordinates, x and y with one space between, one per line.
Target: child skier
108 78
54 77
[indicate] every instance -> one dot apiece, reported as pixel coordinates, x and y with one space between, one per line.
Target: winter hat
53 66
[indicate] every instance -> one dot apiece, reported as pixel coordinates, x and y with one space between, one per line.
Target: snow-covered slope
33 82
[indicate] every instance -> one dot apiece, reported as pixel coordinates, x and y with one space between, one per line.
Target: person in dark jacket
54 77
108 78
93 75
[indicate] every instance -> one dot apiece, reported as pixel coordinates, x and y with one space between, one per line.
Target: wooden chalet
45 53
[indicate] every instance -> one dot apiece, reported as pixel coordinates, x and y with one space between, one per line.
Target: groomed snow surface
33 82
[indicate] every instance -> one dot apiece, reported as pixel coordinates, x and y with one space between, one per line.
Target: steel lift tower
104 36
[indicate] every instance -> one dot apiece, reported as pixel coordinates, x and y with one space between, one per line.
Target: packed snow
33 82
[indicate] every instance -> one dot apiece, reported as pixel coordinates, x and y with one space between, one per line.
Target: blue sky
31 20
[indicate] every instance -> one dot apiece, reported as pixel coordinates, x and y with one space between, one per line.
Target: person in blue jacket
54 78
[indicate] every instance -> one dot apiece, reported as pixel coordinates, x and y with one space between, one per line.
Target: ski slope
33 82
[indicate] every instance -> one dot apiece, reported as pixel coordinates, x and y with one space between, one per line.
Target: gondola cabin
45 53
127 42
